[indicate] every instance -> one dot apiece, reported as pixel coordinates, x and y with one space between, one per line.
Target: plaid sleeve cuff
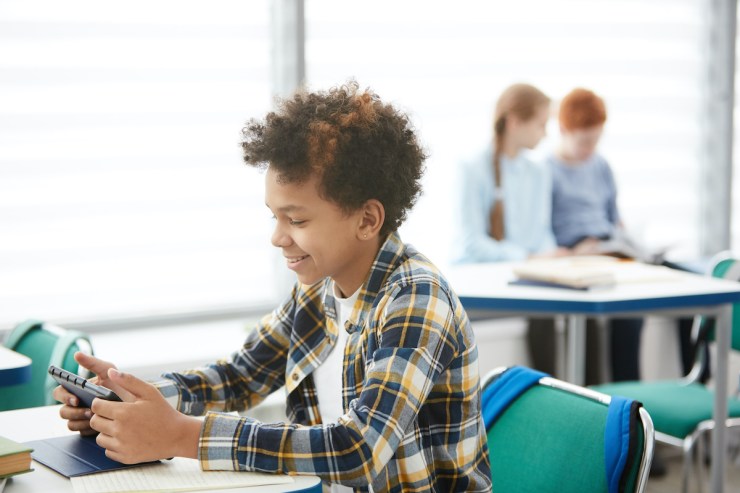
219 438
169 391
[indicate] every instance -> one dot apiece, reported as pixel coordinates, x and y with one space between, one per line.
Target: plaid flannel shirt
411 390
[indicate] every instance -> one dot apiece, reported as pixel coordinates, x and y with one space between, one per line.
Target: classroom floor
671 482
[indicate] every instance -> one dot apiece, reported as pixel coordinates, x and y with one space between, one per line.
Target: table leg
560 347
576 363
723 333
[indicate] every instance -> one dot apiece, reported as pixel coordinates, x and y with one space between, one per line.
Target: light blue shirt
584 200
526 188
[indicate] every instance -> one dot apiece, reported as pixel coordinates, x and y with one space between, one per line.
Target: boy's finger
95 365
138 388
64 396
75 413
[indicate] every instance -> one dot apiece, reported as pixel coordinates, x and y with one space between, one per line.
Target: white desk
15 368
484 287
37 423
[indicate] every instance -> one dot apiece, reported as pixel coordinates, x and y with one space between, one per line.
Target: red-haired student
584 207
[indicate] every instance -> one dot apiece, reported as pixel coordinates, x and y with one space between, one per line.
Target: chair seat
663 398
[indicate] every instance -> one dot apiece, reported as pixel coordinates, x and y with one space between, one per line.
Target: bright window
123 191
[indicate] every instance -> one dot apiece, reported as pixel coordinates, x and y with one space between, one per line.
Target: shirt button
295 377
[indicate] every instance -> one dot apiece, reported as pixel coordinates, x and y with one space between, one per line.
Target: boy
374 349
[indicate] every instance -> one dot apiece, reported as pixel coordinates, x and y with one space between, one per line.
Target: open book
589 272
584 272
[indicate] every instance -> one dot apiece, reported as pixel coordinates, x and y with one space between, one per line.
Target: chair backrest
46 345
726 266
554 436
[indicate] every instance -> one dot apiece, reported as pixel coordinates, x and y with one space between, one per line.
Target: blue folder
73 455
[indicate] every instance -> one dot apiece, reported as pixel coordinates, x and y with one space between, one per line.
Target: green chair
682 409
46 345
546 435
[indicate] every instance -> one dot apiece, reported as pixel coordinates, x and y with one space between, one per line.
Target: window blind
123 191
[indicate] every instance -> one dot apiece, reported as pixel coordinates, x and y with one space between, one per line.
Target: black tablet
85 390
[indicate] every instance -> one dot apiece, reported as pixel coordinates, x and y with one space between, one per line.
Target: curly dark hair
360 147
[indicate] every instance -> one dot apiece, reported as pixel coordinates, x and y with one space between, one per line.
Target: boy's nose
279 238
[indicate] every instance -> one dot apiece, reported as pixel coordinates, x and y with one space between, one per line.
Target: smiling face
317 238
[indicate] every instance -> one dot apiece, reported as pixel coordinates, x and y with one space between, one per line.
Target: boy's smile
317 238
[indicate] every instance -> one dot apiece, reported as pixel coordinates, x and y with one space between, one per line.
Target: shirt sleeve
243 380
611 188
416 342
473 242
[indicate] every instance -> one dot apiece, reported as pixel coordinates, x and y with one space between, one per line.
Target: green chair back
45 345
552 439
727 267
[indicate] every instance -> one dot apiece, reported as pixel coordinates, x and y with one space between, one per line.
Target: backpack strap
499 395
619 441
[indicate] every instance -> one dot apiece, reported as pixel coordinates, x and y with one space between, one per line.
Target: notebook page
176 475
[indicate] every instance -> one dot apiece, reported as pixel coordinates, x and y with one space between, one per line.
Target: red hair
581 109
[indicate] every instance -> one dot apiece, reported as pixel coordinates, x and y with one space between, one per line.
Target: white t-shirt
328 376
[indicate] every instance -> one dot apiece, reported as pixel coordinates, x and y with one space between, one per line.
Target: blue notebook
73 455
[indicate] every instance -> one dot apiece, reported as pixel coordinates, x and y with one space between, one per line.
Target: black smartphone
86 391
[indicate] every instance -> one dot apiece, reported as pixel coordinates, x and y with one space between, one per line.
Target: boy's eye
295 222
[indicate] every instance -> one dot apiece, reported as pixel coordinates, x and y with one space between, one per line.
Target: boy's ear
373 217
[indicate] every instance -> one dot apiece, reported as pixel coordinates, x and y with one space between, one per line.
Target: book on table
15 458
571 272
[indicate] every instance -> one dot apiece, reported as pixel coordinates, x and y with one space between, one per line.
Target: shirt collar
387 260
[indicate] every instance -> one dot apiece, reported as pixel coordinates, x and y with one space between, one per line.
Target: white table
37 423
15 368
484 287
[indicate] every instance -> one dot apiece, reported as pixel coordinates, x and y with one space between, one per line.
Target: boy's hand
79 417
144 427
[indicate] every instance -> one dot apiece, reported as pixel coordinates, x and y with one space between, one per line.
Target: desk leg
576 364
719 445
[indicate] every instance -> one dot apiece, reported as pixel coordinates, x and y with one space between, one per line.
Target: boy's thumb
135 386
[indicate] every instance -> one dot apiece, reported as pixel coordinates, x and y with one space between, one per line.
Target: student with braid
503 205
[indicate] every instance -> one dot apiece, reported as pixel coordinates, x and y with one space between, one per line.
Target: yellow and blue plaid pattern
411 395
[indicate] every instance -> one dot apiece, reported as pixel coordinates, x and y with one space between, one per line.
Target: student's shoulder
417 271
534 164
600 163
597 160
